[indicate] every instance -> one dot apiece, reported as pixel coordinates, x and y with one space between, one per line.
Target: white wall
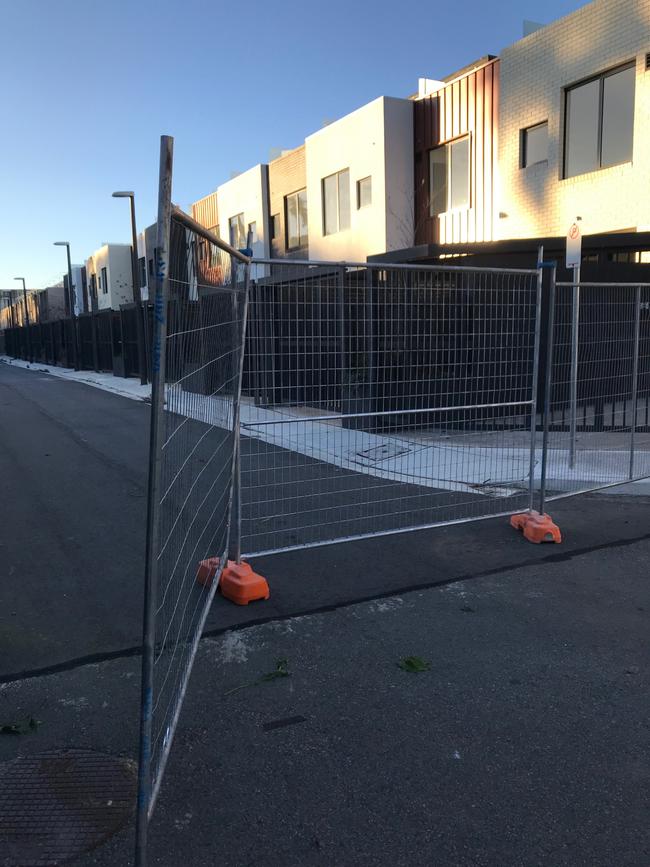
116 258
534 72
377 141
247 193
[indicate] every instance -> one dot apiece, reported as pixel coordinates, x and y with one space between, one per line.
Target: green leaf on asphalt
24 727
281 670
414 664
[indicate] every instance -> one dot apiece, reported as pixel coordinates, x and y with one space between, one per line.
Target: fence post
93 336
152 542
234 548
535 379
547 389
635 374
573 398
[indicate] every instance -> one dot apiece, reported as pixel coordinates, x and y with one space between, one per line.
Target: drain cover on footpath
59 804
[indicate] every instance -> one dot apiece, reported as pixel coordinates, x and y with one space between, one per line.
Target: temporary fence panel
197 362
598 427
383 398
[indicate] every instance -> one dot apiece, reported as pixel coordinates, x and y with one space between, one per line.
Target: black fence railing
106 341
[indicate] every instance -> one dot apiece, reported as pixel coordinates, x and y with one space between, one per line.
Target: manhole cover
58 804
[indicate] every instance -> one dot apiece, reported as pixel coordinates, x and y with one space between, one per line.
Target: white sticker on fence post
573 246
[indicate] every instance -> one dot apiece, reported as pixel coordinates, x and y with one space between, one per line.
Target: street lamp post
66 244
137 297
29 336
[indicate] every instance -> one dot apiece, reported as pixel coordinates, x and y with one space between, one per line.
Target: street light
29 336
66 244
137 297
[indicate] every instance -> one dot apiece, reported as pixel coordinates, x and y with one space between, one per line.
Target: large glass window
104 275
449 177
296 219
336 202
534 145
599 122
237 232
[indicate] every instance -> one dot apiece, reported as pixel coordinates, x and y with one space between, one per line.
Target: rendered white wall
247 194
116 258
376 140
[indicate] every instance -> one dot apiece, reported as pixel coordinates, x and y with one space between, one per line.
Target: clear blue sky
88 87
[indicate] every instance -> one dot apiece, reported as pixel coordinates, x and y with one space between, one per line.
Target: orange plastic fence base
238 583
536 528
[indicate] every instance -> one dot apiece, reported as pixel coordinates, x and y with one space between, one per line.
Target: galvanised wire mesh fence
599 368
379 399
200 315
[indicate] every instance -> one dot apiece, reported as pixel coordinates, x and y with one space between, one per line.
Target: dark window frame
523 145
359 182
446 146
339 228
242 234
104 280
302 242
599 77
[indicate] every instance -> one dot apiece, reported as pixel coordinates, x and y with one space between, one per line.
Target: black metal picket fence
105 341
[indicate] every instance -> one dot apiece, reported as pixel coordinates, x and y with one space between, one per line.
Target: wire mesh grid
202 373
378 399
599 431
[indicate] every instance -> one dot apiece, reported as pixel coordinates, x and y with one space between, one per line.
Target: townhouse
109 276
489 161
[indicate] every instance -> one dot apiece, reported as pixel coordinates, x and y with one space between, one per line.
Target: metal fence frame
367 273
625 333
227 300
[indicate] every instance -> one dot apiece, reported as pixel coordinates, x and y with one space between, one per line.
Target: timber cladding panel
465 106
205 211
287 174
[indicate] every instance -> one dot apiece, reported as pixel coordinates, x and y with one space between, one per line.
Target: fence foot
238 582
536 528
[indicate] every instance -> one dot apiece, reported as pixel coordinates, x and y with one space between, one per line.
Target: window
296 219
599 122
336 202
237 231
93 286
275 226
364 192
534 145
449 177
214 250
104 282
151 267
252 232
142 269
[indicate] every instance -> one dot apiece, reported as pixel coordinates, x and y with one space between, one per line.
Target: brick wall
534 74
286 175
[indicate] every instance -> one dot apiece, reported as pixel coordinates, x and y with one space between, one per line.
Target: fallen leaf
414 664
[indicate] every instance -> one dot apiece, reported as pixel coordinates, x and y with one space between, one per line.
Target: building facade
288 205
574 123
109 276
455 141
359 173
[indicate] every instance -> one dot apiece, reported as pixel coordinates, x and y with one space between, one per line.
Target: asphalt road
525 743
73 468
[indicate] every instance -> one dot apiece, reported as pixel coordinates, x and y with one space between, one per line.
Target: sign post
573 260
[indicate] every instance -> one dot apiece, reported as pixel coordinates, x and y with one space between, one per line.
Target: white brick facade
537 201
